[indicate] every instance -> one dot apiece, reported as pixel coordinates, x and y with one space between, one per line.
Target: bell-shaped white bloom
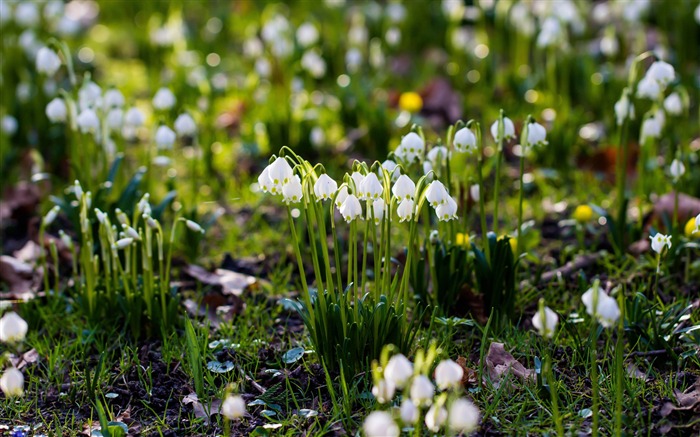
411 147
474 192
194 226
384 391
292 191
264 180
131 232
398 370
606 311
115 118
448 374
673 104
536 135
164 99
405 210
56 110
463 416
89 95
551 33
427 168
409 412
392 168
435 418
651 128
357 179
307 34
313 63
87 121
134 117
280 173
676 169
662 73
404 188
508 129
422 390
447 211
659 242
465 141
113 98
624 109
233 407
12 383
378 207
185 125
9 125
609 46
649 88
545 322
325 187
438 155
165 137
380 424
370 188
341 196
351 208
436 193
27 14
51 216
47 61
123 243
12 328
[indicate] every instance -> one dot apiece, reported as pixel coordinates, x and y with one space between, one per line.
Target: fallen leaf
199 410
470 375
688 206
22 279
230 282
29 357
499 362
688 400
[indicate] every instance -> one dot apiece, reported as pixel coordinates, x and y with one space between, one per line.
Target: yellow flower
512 241
464 240
583 214
411 102
690 229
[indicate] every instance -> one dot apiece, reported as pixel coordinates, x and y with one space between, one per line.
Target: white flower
659 241
56 110
12 328
351 208
47 61
370 187
609 45
427 168
87 121
263 67
51 215
697 224
676 170
27 14
134 117
9 125
606 311
392 168
651 128
280 173
405 210
551 33
357 179
113 98
89 95
307 34
233 407
624 109
384 391
435 418
648 88
292 191
437 155
412 146
409 412
325 187
131 232
165 137
341 196
463 416
536 135
398 370
313 63
378 207
448 374
404 188
12 383
164 99
115 118
474 192
380 424
465 141
447 211
661 72
317 137
673 104
545 322
436 193
123 243
422 390
185 125
508 129
194 226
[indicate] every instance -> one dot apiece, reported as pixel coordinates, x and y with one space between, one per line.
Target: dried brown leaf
499 362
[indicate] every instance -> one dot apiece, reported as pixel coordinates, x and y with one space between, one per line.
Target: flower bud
12 328
56 110
233 407
51 216
193 226
12 383
47 61
164 99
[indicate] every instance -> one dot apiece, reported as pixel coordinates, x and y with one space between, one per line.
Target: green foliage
496 279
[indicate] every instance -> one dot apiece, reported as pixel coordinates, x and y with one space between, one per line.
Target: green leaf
293 355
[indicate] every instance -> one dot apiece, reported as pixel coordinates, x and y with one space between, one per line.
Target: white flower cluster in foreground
13 329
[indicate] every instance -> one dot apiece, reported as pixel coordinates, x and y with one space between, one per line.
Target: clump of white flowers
601 306
13 329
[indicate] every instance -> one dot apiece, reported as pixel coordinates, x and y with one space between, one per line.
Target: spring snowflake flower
447 211
392 168
422 390
465 141
89 95
9 125
384 391
405 210
659 242
12 328
624 109
165 137
185 125
233 407
606 311
437 155
545 322
325 187
47 61
113 98
292 191
279 173
551 33
378 207
351 208
398 370
357 179
435 418
409 412
380 424
673 104
164 99
12 383
463 416
536 135
411 147
661 72
475 192
115 118
341 196
134 117
676 170
87 121
194 226
649 88
27 14
56 110
448 374
651 128
437 194
307 34
508 129
404 188
370 188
